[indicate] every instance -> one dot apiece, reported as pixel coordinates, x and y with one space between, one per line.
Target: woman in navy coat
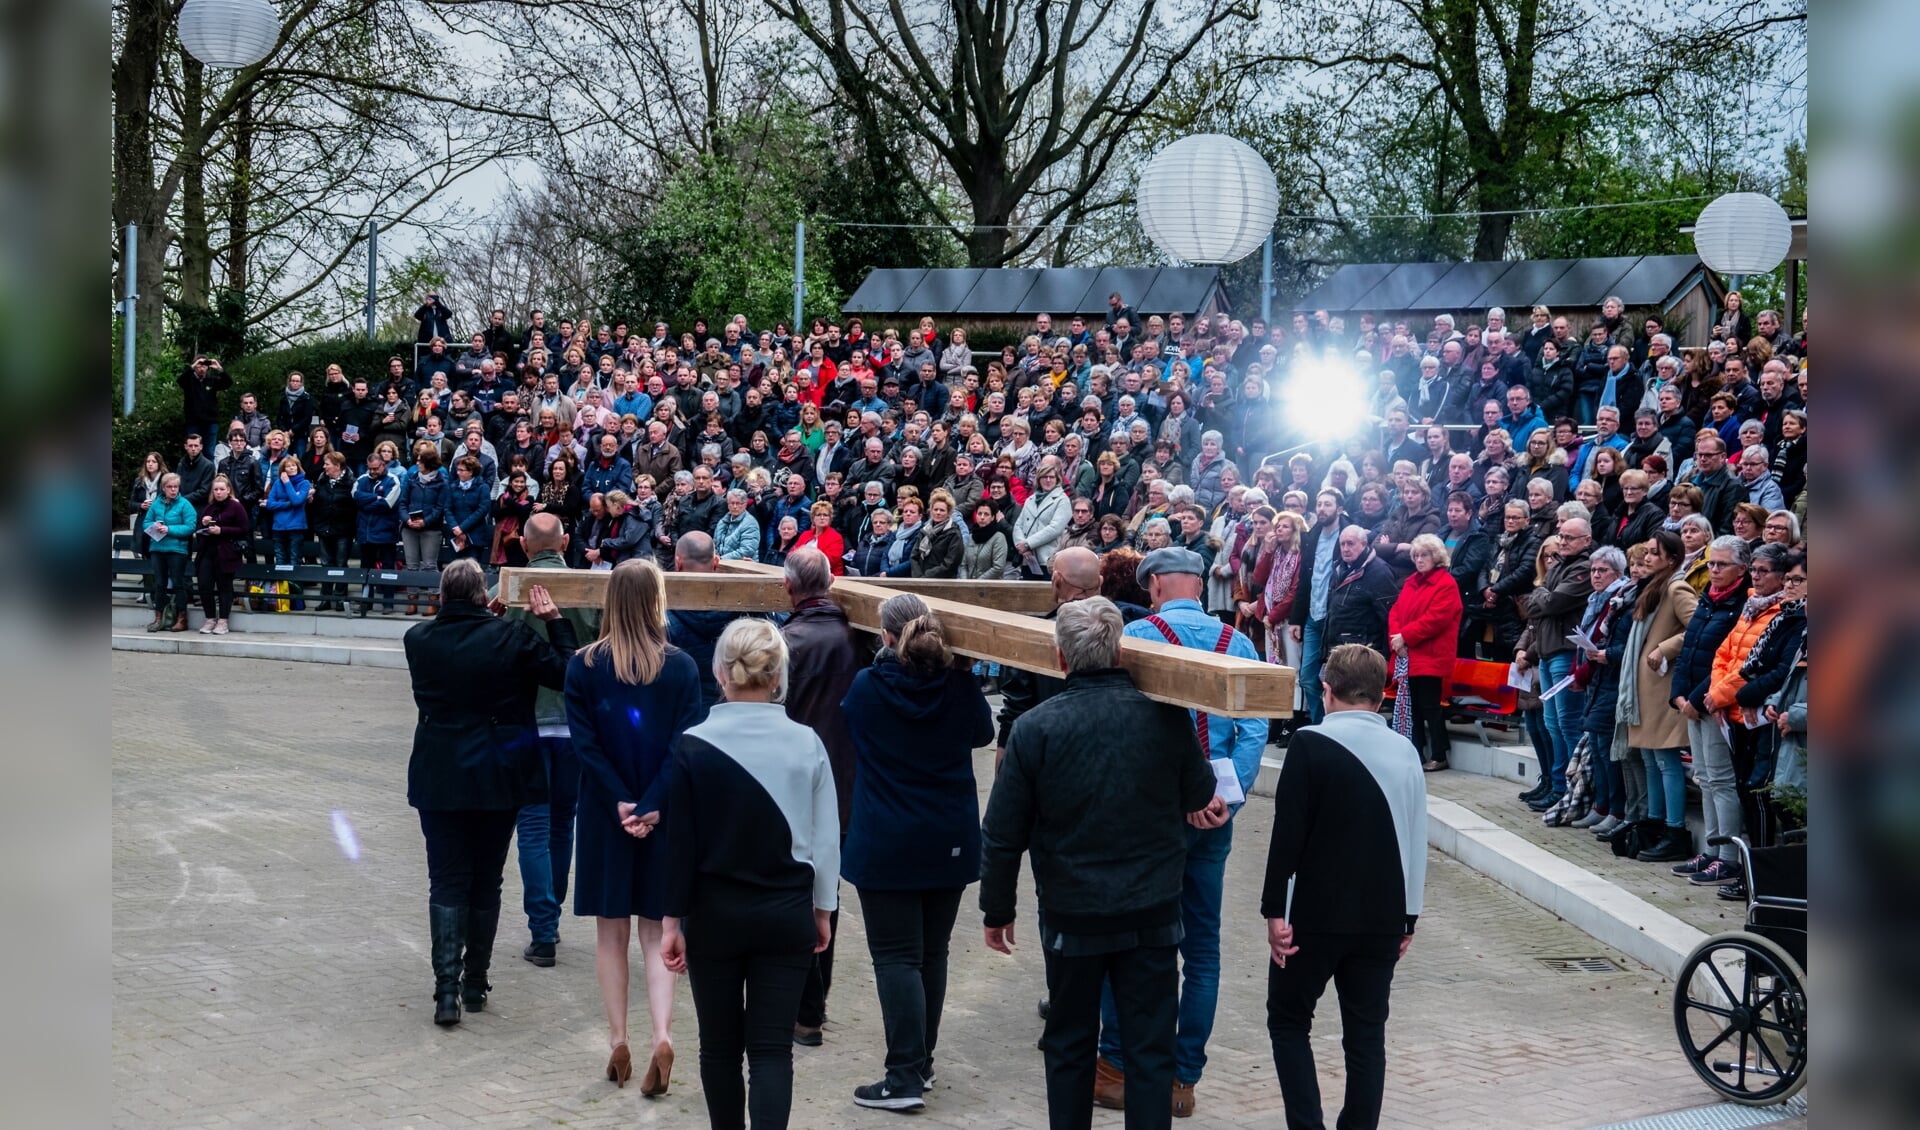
629 696
913 839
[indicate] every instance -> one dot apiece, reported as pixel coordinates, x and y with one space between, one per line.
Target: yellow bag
259 591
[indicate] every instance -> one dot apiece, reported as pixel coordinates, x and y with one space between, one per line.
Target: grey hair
1735 545
1773 553
1575 512
1356 530
464 580
1153 522
1799 414
682 476
1699 522
1765 456
736 492
1662 337
1180 494
1543 483
899 611
1668 361
1088 633
1492 310
1610 556
1210 434
1793 522
712 449
1647 414
808 573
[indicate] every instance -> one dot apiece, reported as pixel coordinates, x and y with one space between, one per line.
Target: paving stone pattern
264 978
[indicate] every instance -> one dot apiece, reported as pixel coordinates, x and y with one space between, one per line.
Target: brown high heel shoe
659 1071
620 1066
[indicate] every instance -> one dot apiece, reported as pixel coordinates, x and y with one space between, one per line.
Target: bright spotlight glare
1325 398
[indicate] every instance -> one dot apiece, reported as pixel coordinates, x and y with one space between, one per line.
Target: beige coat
1661 726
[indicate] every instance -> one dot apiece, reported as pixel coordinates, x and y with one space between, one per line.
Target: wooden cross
998 621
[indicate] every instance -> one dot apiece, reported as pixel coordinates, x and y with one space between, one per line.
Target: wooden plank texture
1239 688
1031 598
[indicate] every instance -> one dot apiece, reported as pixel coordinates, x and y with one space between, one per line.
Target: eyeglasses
1799 580
1722 565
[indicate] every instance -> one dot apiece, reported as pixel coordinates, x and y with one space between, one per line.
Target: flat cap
1169 559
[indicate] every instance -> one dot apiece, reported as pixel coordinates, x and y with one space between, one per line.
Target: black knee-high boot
481 927
449 926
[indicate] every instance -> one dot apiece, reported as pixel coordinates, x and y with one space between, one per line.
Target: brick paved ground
262 978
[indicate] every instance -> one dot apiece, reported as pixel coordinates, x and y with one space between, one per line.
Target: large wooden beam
1031 598
1240 688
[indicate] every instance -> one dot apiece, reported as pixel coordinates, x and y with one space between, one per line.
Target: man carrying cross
1175 580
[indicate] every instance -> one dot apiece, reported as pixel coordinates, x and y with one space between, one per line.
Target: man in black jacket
1319 553
1361 594
1076 576
1099 783
200 385
196 473
1346 879
821 664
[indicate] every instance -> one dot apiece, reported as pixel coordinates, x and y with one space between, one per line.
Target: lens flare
344 835
1325 398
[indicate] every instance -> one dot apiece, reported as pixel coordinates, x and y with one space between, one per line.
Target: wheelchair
1740 1002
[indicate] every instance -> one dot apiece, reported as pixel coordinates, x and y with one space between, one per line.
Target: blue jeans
286 546
1666 786
545 834
1203 886
1564 714
1312 654
1609 780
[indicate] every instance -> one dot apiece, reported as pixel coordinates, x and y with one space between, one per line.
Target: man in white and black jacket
1100 783
1345 874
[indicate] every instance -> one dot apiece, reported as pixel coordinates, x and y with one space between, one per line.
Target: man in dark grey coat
1099 783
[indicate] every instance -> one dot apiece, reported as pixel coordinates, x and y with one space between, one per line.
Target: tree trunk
136 71
240 198
196 255
987 190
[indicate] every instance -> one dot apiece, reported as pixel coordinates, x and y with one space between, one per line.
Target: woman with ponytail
913 841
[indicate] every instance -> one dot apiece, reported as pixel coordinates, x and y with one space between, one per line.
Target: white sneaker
206 629
220 628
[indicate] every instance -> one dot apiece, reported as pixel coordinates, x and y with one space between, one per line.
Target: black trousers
466 856
1361 968
745 1001
1430 738
1146 991
908 933
216 587
334 549
813 1002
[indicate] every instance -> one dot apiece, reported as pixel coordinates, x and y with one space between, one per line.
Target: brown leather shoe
1109 1085
1182 1099
179 623
659 1071
620 1066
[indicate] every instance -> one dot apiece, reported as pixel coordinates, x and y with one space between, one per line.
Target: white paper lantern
1743 233
229 33
1207 199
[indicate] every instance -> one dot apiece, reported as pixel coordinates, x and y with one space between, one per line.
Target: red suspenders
1219 648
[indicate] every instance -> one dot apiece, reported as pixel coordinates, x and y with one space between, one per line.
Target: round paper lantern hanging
1207 199
1743 233
229 33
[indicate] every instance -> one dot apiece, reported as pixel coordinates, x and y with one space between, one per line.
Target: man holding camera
200 387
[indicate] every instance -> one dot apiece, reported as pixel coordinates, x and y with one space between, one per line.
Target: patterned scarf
1789 610
1281 578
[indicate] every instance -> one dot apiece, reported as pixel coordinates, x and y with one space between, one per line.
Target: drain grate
1720 1116
1581 965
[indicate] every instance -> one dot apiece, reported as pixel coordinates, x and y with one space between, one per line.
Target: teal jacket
179 518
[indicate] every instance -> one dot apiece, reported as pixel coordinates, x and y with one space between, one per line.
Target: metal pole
130 268
799 271
1266 280
373 273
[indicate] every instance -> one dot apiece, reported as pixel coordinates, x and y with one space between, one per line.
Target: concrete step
129 616
266 645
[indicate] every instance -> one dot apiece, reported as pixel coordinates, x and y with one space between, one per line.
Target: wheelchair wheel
1740 1012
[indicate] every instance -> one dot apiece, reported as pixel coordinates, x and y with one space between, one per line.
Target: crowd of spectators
1524 463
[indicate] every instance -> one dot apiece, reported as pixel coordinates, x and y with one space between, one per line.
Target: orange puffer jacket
1726 680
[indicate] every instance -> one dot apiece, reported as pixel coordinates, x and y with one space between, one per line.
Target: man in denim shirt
1175 579
1319 552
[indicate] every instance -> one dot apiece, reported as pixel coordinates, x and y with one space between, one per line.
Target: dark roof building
1022 292
1680 287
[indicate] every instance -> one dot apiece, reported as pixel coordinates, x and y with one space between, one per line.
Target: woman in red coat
1424 626
823 537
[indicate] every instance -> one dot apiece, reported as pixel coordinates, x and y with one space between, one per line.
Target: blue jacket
737 539
595 479
1518 430
379 521
1242 739
915 822
468 504
287 502
180 521
428 497
911 540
